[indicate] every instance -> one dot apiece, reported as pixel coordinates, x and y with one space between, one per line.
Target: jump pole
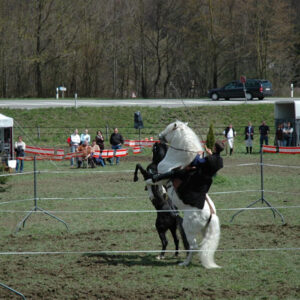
36 208
262 198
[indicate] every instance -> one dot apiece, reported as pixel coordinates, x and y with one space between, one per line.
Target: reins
184 150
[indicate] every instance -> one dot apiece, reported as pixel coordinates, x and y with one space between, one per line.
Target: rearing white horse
184 144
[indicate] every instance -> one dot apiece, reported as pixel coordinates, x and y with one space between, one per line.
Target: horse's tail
210 243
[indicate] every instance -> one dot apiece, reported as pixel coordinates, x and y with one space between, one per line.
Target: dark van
255 88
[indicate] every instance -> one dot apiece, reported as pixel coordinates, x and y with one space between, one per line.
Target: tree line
153 48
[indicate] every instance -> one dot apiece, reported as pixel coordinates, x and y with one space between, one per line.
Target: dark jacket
100 142
264 130
116 138
247 131
227 130
193 190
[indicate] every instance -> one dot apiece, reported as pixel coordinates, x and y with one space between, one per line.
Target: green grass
56 124
245 275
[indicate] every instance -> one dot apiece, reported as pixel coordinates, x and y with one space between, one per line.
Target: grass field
51 127
256 274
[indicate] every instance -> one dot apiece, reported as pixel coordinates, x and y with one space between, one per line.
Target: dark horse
166 220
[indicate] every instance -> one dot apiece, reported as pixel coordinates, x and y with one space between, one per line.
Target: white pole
57 94
75 100
292 90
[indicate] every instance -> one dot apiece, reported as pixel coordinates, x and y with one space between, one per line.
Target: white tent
6 121
6 137
289 111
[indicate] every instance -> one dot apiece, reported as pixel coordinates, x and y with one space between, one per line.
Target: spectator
279 136
85 137
264 131
116 141
86 153
288 135
20 147
75 141
95 158
100 140
249 132
230 133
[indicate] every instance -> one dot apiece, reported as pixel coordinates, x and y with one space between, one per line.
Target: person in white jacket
75 141
230 133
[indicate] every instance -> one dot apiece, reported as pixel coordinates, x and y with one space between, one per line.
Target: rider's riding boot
247 149
250 150
158 177
231 150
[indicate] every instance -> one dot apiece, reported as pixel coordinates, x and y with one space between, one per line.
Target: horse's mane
184 144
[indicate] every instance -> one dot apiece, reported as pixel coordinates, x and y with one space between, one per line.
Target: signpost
243 81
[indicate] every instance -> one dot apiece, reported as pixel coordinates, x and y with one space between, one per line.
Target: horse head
171 130
184 144
159 151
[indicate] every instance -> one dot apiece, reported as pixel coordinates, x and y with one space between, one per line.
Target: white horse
184 144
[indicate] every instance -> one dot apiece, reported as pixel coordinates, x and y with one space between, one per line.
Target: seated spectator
86 153
85 137
95 158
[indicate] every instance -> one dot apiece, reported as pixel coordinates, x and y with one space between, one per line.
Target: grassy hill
52 126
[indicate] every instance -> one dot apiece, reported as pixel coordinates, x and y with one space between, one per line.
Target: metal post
262 199
38 132
76 100
292 90
57 94
140 136
106 132
244 87
12 290
36 208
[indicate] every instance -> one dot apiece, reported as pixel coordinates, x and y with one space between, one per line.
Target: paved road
45 103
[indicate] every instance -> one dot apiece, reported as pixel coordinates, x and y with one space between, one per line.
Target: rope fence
88 170
142 251
145 211
135 197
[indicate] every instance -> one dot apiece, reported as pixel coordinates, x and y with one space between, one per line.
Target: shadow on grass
131 260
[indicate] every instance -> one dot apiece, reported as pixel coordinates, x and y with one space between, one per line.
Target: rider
197 177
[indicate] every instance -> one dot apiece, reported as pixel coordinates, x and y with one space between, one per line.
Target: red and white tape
282 150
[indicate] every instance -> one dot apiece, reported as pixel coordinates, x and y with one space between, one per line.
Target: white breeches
230 143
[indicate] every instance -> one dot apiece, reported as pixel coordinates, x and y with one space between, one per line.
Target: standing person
75 141
264 131
249 132
116 141
100 140
230 133
288 135
85 137
20 147
279 136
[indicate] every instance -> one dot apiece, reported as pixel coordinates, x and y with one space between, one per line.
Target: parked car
255 88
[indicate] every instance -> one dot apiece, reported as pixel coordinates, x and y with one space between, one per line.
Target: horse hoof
214 266
135 179
159 257
183 264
